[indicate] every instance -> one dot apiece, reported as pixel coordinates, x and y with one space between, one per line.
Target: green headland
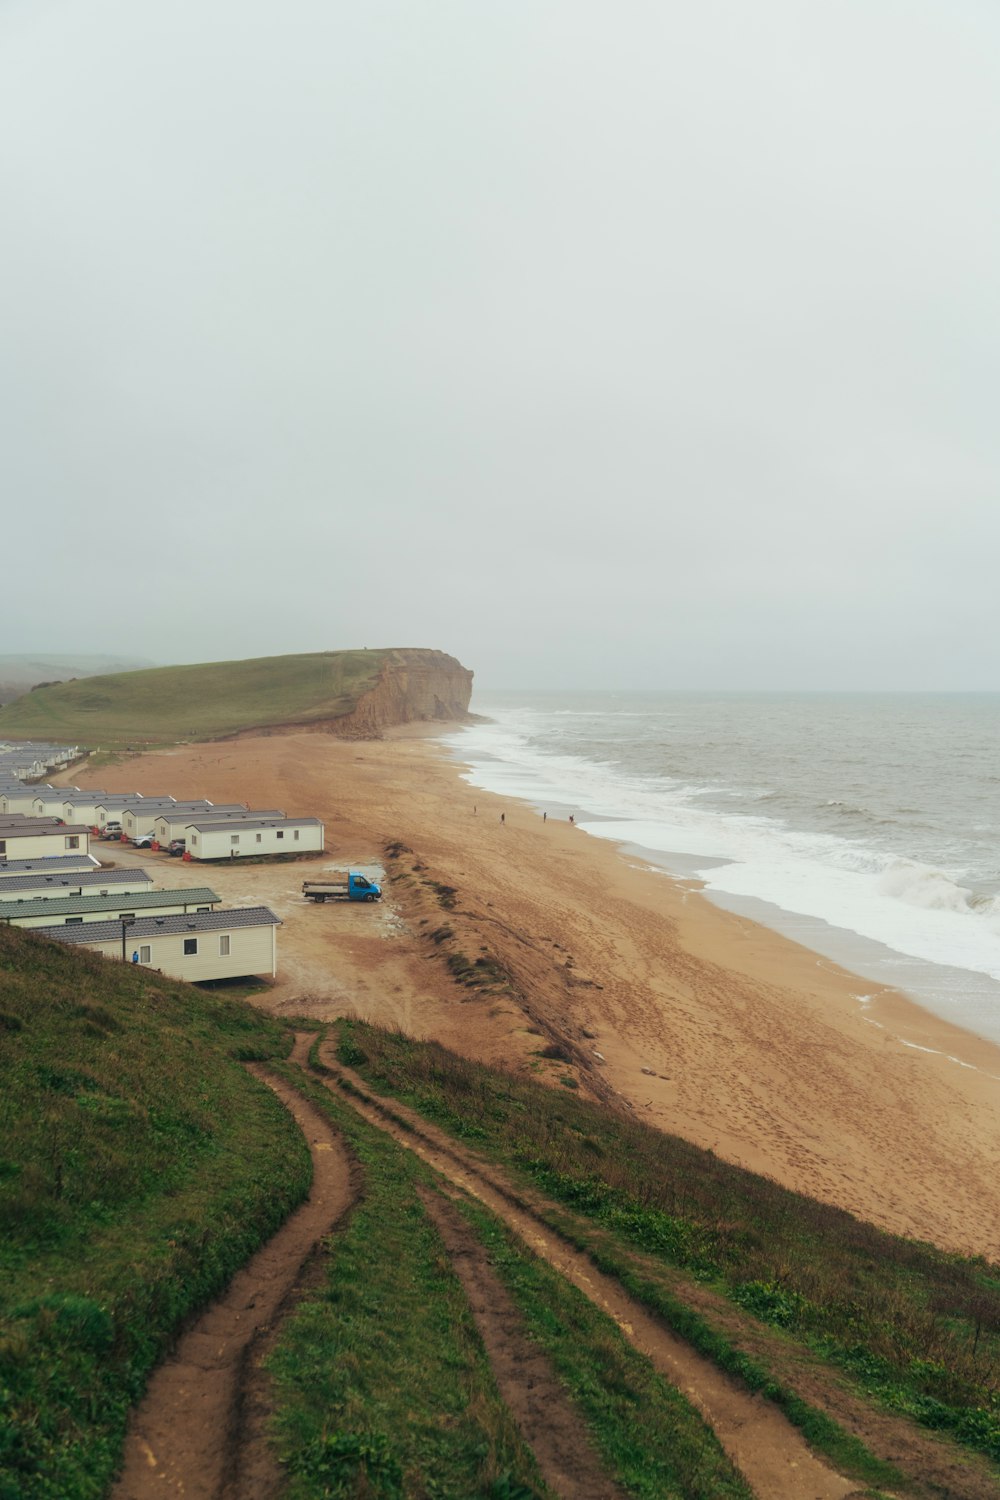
213 700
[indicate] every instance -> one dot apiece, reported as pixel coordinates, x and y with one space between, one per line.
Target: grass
406 1404
140 1166
648 1434
164 704
382 1386
914 1327
846 1452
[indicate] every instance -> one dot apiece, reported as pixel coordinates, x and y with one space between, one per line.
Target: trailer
352 887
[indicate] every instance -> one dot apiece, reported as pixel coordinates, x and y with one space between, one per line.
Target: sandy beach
700 1021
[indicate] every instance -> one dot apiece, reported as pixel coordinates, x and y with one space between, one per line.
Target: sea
864 826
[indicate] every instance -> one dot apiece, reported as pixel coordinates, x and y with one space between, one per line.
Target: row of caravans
51 882
68 897
209 830
27 762
183 933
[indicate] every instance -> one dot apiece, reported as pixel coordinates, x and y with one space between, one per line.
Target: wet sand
706 1023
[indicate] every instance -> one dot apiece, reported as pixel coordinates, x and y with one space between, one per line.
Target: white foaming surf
629 774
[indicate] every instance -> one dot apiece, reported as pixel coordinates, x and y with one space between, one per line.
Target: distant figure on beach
545 817
503 817
571 817
475 809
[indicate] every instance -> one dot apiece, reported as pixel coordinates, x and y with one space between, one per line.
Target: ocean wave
856 870
919 885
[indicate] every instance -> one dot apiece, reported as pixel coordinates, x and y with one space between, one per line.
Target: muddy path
934 1466
550 1426
764 1446
199 1430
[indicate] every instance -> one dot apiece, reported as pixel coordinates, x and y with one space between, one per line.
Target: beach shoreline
700 1020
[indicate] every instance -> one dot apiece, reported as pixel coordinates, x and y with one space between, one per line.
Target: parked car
177 846
111 831
145 841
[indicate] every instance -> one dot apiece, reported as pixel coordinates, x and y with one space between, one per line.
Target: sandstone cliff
413 686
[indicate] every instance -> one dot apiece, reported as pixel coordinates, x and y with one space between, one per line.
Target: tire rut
765 1447
198 1431
527 1381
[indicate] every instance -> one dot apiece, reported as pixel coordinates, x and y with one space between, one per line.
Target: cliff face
413 686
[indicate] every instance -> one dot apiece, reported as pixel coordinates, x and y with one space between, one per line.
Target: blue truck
352 887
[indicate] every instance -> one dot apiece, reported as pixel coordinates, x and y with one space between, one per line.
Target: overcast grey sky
634 344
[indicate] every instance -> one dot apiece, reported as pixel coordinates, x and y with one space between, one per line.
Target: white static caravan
57 865
81 807
41 885
173 824
110 809
209 945
138 818
230 840
92 906
36 838
21 800
48 802
141 820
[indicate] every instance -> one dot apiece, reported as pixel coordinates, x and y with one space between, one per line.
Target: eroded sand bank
708 1024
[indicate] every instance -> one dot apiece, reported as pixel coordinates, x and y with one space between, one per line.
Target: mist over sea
863 825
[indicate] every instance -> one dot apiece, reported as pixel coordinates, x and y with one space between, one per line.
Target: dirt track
527 1382
201 1431
759 1447
186 1438
768 1451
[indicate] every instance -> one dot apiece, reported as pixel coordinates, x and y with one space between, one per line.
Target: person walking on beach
545 817
571 817
503 817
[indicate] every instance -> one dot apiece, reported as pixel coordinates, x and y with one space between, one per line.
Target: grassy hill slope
202 702
20 673
913 1329
140 1165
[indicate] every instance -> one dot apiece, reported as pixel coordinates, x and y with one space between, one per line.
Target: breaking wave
894 865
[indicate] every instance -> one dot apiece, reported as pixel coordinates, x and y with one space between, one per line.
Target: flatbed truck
352 887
